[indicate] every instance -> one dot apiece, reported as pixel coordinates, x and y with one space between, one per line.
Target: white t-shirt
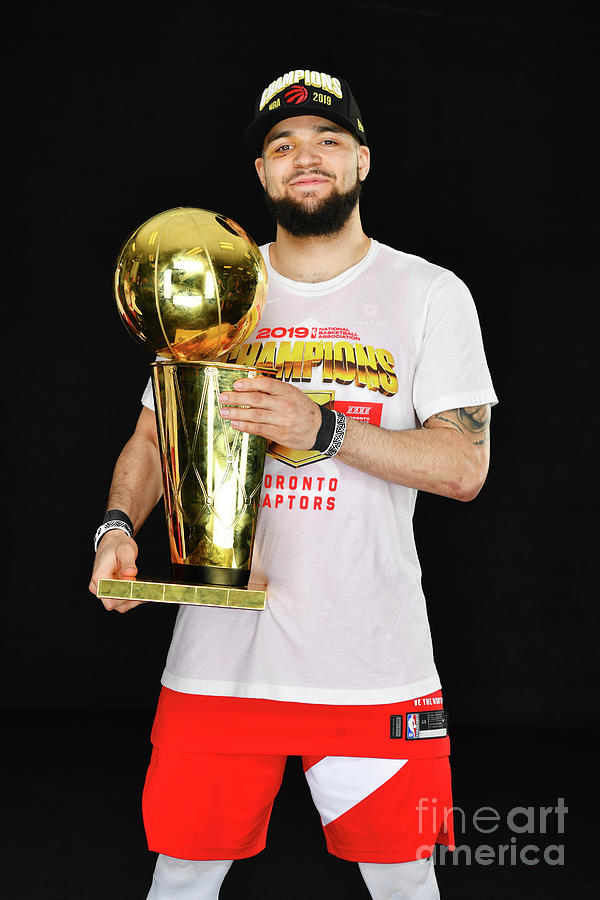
391 341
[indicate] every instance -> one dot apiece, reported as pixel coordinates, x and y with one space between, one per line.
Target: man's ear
364 161
260 169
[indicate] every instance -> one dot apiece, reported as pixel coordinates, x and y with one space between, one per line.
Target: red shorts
217 805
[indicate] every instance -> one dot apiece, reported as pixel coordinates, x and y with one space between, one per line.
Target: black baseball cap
304 92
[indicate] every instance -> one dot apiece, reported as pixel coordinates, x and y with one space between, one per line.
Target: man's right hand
115 558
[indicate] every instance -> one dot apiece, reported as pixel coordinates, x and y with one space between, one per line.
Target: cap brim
258 130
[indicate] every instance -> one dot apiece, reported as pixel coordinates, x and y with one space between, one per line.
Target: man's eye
283 148
328 141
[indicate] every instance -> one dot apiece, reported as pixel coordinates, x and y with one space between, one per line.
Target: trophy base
252 597
219 576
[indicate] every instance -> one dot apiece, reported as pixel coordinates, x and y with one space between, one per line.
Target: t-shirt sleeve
451 370
148 395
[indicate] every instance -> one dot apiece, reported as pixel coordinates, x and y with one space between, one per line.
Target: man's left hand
274 409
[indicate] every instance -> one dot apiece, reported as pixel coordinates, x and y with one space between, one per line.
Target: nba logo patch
431 724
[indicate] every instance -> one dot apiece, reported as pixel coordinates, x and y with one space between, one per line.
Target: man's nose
306 155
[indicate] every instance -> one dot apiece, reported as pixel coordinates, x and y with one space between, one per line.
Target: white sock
401 881
187 879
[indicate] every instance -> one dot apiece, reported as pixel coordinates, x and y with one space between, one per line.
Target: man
339 667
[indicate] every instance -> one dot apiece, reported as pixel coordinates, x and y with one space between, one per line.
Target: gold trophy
190 286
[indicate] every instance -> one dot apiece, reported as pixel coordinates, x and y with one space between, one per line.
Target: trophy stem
212 474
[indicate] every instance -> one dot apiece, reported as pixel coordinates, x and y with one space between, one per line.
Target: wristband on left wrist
330 435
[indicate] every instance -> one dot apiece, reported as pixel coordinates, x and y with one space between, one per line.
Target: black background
480 121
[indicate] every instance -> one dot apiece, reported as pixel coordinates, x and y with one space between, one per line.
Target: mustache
322 172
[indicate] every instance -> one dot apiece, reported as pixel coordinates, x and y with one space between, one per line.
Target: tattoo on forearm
473 419
442 418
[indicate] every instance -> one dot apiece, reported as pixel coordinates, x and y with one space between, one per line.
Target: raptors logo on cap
297 94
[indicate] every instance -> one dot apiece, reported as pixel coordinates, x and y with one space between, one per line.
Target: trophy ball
190 284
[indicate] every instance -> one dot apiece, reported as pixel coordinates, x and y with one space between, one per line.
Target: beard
315 219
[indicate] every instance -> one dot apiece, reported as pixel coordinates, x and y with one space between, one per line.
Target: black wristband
331 433
114 519
112 514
